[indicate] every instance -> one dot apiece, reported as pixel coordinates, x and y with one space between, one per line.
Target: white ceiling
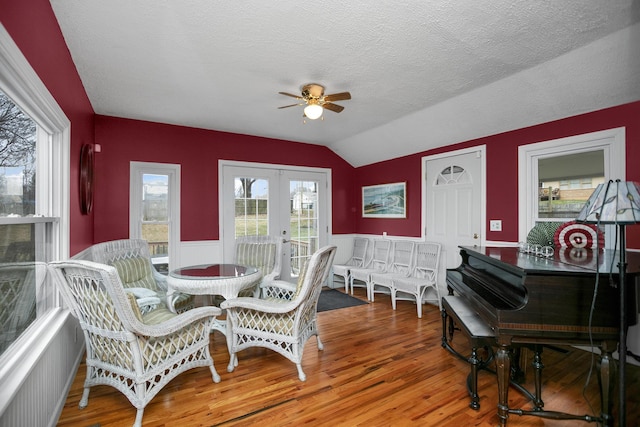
422 73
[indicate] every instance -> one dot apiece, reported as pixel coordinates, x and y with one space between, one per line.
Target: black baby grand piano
532 300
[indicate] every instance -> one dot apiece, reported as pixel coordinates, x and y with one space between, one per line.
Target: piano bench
461 314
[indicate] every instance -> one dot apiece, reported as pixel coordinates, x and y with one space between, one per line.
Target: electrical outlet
495 225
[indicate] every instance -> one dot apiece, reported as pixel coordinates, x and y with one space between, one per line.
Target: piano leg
537 369
606 379
503 370
517 374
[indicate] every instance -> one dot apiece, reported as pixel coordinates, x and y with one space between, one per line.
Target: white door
276 200
454 212
154 214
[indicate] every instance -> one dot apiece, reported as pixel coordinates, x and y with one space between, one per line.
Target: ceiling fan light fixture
313 111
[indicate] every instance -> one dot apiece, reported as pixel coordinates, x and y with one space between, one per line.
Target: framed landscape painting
385 200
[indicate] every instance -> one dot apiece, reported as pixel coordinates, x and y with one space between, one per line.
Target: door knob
475 235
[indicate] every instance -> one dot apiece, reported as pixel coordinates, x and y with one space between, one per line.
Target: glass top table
226 280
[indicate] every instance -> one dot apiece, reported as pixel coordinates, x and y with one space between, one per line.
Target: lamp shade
614 202
313 111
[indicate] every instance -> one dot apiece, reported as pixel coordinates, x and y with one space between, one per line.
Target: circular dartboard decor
575 235
86 178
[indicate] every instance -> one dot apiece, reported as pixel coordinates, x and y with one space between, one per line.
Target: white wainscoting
35 380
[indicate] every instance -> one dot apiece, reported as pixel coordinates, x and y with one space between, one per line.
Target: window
558 176
566 183
251 206
34 171
155 210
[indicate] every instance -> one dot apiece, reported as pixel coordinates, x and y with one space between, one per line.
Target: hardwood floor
379 367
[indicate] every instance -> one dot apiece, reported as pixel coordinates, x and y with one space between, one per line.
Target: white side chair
376 264
280 324
400 265
360 245
136 353
424 276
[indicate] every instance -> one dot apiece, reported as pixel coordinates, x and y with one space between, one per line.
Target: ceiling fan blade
287 106
342 96
333 107
291 95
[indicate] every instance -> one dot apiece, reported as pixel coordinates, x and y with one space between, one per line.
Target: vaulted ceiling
422 73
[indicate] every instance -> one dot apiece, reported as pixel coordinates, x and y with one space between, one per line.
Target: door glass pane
155 218
251 206
303 223
566 182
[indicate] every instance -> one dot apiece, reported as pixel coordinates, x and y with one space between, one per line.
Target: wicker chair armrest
278 289
161 280
271 277
148 303
280 284
267 306
177 323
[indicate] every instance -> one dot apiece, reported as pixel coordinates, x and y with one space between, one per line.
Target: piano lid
564 260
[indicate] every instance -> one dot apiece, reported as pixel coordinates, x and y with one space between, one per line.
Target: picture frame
385 200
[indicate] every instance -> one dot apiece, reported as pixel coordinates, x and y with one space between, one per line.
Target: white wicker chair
400 266
423 276
357 260
376 264
134 353
263 253
19 282
132 259
282 325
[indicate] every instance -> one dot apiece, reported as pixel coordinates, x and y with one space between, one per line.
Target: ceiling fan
316 101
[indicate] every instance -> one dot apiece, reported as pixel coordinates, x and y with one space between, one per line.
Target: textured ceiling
422 74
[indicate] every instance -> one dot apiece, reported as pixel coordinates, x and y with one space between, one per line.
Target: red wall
502 171
198 152
35 30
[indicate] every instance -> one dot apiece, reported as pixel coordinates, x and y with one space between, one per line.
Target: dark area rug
332 299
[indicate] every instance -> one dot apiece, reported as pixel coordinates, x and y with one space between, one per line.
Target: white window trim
136 170
22 84
612 141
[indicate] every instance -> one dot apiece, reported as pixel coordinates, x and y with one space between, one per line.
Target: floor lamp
616 202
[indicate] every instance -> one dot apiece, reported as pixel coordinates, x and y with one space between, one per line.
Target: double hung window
34 195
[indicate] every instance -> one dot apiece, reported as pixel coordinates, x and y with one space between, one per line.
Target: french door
277 200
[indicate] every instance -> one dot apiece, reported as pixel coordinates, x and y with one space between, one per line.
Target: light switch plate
495 225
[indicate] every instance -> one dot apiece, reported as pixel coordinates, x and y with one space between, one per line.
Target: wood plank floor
379 367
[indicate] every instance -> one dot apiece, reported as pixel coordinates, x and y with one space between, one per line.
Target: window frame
22 85
173 171
612 141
